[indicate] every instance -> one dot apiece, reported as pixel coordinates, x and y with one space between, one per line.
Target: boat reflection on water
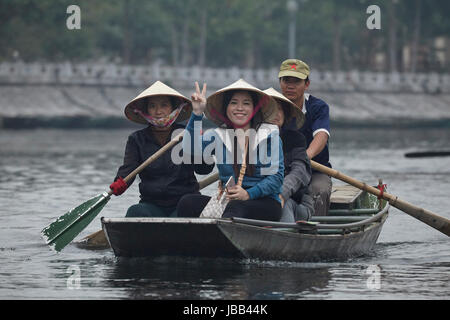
208 278
286 280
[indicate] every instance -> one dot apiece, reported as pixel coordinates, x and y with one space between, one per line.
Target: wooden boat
351 229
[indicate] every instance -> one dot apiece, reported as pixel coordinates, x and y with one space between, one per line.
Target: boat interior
351 209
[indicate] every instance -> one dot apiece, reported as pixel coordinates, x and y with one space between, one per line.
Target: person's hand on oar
118 187
282 200
237 193
220 188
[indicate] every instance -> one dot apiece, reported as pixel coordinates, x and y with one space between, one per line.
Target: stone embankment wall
31 91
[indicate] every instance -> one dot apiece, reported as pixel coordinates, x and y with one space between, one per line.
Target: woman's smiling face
240 109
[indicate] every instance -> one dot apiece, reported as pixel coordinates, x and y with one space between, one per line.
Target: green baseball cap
294 68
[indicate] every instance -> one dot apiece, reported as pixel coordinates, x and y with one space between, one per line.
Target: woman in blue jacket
239 110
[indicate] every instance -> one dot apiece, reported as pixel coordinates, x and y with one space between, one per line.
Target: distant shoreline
87 95
21 123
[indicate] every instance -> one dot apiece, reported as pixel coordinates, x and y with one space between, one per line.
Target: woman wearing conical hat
237 109
296 195
163 183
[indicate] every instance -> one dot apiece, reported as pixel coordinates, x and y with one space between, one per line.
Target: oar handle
152 158
207 181
244 164
439 223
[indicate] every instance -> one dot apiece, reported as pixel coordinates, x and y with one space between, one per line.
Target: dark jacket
163 183
297 174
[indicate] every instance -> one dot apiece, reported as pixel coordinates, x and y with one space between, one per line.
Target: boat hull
151 237
212 238
290 246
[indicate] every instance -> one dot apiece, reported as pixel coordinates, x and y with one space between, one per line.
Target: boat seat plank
352 212
338 219
345 194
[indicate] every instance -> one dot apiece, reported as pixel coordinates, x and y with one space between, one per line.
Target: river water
44 173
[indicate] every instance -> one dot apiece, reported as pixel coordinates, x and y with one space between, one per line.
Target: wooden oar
216 205
208 181
244 164
97 240
64 229
427 154
439 223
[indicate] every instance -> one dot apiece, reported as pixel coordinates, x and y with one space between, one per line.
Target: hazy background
330 35
52 75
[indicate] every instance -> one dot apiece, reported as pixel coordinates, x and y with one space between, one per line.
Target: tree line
330 34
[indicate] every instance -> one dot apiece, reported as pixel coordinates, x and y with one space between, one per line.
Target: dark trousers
268 209
150 210
321 188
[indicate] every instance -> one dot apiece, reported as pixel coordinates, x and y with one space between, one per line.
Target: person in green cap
294 81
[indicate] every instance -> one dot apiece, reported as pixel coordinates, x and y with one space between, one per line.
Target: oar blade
62 231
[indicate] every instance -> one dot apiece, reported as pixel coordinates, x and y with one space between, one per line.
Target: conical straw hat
157 89
215 108
295 111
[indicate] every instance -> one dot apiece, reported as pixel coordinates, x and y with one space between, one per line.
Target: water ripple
44 173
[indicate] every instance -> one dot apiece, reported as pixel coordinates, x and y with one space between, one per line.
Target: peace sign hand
199 99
